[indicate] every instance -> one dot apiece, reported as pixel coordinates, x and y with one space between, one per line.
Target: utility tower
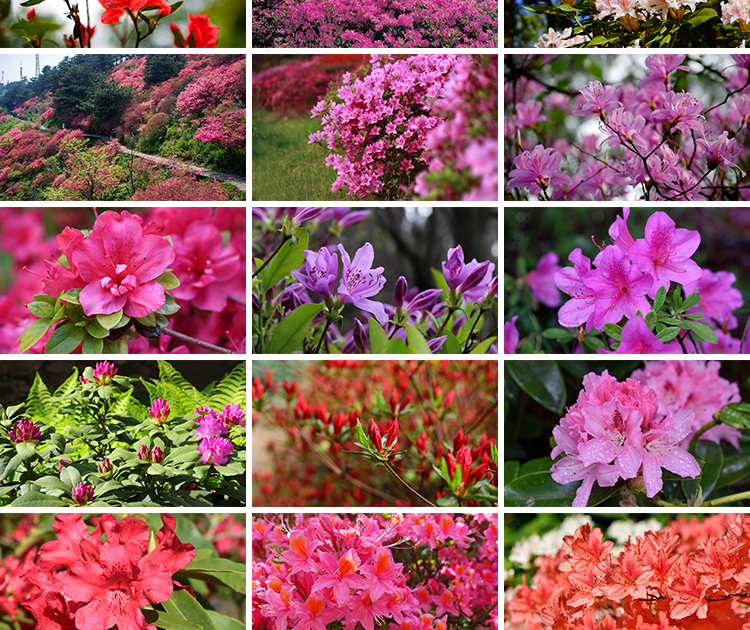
21 71
36 71
2 81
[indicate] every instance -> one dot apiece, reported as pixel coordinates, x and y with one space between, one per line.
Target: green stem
445 321
702 430
740 496
323 336
407 486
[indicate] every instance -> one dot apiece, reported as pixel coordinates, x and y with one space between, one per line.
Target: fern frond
230 389
38 401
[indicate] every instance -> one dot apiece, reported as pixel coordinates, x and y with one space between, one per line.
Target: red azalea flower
204 34
119 265
115 9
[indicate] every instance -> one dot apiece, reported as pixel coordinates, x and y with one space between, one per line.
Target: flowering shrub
610 24
420 422
327 569
655 140
638 295
227 129
92 442
624 433
449 318
384 23
415 115
129 572
689 573
132 301
144 17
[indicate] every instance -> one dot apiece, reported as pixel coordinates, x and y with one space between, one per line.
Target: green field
284 166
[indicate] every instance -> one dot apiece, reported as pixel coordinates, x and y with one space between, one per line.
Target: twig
196 342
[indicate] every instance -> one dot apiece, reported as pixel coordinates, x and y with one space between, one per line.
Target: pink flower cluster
316 570
375 24
654 140
618 431
228 130
212 425
79 582
693 385
399 119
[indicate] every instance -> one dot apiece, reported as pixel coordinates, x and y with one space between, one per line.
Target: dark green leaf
292 329
64 339
713 457
416 341
37 499
558 334
378 338
291 256
736 415
541 380
661 297
668 334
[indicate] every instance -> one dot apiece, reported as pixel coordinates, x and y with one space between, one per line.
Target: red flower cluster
80 583
688 575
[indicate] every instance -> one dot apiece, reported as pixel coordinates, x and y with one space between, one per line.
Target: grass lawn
284 166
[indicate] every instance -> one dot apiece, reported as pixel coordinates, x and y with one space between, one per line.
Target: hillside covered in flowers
122 127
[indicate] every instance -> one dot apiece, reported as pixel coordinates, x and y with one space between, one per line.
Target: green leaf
31 3
416 341
92 345
702 15
600 40
25 450
70 476
95 329
539 490
439 278
511 470
217 571
483 346
64 339
8 465
169 622
690 301
713 457
184 604
541 380
378 338
110 321
292 330
396 346
650 319
661 297
668 334
451 344
558 334
168 280
222 622
703 332
291 256
33 333
736 415
361 435
37 499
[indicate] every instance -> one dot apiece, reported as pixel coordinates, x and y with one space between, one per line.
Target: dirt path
240 182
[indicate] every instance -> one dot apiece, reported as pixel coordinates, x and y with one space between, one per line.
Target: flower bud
451 463
24 431
144 453
375 436
83 493
159 411
157 455
400 292
104 372
360 336
105 468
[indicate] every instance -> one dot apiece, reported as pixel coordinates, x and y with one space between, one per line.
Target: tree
159 68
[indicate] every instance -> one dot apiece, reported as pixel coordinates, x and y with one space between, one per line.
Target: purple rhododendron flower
319 273
359 282
471 279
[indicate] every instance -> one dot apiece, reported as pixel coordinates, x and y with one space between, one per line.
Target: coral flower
115 9
120 265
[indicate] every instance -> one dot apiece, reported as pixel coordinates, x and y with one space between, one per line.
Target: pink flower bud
144 453
104 372
83 493
157 455
159 411
24 431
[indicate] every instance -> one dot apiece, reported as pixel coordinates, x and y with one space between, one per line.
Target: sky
10 62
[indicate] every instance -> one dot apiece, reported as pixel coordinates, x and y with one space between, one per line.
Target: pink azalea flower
662 449
580 308
718 297
313 614
541 281
381 573
660 67
665 253
596 99
537 170
359 282
120 266
619 287
511 336
159 411
204 266
681 111
340 575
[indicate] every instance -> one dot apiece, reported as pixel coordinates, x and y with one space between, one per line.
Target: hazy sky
10 62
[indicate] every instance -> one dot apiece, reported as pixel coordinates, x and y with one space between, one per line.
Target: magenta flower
537 170
625 128
83 494
660 67
359 282
340 575
313 614
209 426
619 287
665 253
319 273
233 414
580 308
511 336
596 99
159 411
24 431
681 111
541 281
120 266
215 450
104 372
718 297
637 338
662 449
